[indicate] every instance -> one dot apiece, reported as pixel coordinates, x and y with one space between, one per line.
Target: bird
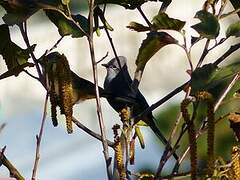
117 83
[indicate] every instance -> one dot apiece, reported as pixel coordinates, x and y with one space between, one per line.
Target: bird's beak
105 65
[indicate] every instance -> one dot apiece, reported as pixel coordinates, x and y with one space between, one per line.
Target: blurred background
79 156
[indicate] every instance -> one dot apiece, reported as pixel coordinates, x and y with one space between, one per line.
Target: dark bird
118 84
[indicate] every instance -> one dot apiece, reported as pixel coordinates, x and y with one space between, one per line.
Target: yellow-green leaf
233 30
151 45
163 21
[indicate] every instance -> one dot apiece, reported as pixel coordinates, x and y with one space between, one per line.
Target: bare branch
90 132
39 138
13 171
98 103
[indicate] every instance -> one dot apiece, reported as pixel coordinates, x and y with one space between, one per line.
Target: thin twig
161 101
202 128
23 29
13 171
226 91
54 46
39 138
2 126
102 58
144 16
90 132
232 49
32 76
98 103
204 54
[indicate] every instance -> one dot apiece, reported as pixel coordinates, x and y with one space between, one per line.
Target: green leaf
163 21
151 45
128 4
233 30
13 55
212 79
15 70
68 26
209 26
19 11
140 136
137 27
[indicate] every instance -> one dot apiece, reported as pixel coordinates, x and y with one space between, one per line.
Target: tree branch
90 132
98 103
39 138
13 171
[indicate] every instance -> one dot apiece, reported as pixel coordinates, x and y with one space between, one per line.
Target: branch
202 129
90 132
232 49
161 101
204 54
2 126
144 16
98 103
39 138
23 29
13 171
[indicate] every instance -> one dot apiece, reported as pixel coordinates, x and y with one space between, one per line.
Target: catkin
191 136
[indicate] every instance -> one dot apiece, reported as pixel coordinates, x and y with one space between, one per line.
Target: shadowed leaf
209 26
15 57
233 30
137 27
212 79
151 45
19 11
163 21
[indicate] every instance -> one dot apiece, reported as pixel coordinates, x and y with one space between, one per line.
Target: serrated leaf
233 30
151 45
128 4
209 26
163 21
137 27
13 55
66 26
20 11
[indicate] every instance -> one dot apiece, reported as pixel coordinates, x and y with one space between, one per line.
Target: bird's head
114 67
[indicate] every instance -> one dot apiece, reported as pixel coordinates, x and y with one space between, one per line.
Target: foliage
211 94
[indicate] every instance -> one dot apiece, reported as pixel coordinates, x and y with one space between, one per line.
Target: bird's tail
161 136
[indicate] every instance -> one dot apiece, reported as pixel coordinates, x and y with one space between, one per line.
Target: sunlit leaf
151 45
140 137
13 55
209 26
137 27
163 21
68 26
233 30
